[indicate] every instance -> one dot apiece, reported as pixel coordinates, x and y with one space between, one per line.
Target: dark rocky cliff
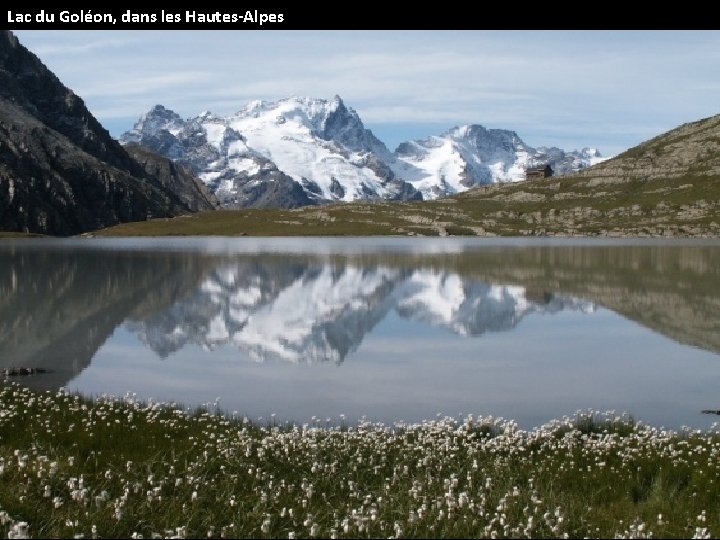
177 178
60 171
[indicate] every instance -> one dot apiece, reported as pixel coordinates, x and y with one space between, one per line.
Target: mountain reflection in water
63 301
321 311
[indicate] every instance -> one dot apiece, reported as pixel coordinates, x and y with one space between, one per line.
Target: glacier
471 155
300 151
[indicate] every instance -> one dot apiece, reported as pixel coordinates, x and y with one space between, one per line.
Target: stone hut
538 172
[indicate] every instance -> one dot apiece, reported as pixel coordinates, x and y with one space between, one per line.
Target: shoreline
561 236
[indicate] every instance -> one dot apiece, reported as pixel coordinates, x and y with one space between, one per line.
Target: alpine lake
331 330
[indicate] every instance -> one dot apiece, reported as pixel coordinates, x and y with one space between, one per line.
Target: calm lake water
393 329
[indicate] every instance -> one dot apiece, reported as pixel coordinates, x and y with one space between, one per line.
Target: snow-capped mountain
300 151
310 312
318 149
472 155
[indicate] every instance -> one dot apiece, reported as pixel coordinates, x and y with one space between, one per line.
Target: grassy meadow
562 206
75 468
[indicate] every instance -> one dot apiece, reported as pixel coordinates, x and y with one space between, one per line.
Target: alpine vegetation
75 468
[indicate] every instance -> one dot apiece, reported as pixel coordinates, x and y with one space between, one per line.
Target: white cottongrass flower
21 529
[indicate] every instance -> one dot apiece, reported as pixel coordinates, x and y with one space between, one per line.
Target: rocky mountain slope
668 187
470 155
60 170
175 178
323 147
692 149
308 150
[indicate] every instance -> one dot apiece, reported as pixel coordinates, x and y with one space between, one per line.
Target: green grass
690 206
113 468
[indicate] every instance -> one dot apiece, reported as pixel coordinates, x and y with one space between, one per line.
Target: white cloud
77 43
563 84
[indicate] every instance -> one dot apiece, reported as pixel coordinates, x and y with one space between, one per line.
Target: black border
360 16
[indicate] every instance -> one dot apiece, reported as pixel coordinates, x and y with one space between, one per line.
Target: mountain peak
158 118
161 113
159 109
478 132
323 145
591 152
10 38
300 102
471 154
319 146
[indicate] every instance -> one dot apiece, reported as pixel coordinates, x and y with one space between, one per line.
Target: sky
609 90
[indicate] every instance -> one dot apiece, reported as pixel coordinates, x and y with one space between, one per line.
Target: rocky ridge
323 147
60 171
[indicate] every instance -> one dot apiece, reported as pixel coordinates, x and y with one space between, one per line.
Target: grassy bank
114 468
688 206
